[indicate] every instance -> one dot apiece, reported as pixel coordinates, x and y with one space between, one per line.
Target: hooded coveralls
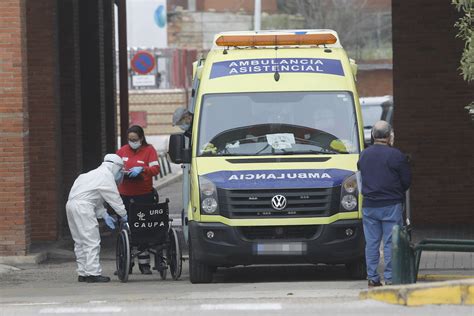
84 206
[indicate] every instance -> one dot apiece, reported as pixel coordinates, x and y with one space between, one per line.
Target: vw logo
278 202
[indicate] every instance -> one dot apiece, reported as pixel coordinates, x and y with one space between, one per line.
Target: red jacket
145 157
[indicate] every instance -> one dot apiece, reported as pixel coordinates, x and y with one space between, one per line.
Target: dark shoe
145 268
374 283
97 279
81 278
388 282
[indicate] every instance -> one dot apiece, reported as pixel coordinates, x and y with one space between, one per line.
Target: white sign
281 141
146 23
143 81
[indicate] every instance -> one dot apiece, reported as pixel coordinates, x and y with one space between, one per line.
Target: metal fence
172 69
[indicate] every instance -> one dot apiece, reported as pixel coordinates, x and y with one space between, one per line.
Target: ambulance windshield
277 123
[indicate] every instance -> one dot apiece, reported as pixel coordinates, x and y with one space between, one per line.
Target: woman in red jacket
141 160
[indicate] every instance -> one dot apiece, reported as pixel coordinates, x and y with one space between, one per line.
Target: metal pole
123 69
192 5
257 15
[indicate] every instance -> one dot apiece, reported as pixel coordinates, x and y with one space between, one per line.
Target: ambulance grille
311 202
279 232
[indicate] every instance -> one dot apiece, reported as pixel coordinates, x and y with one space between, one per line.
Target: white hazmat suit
85 204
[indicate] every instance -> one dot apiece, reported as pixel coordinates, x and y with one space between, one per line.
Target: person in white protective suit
85 204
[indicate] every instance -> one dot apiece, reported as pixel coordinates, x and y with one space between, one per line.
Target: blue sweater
385 175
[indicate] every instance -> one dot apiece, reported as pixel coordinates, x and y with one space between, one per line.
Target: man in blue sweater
385 176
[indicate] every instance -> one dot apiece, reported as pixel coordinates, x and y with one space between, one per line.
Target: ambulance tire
198 271
357 269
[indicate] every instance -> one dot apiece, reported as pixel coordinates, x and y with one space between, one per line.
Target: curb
436 293
34 258
442 277
5 268
173 178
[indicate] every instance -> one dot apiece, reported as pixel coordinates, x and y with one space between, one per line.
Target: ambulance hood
277 172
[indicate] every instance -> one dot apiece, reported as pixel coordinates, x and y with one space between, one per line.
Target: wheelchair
149 227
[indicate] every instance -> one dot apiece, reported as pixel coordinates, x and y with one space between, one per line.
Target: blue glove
135 171
109 220
124 219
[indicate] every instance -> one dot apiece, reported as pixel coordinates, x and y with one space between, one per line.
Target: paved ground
51 288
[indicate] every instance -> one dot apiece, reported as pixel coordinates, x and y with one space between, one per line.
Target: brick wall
159 106
374 82
14 131
196 30
247 6
44 119
430 121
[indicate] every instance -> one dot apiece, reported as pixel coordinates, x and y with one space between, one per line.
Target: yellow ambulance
272 154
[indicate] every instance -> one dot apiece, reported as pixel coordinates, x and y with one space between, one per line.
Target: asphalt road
52 289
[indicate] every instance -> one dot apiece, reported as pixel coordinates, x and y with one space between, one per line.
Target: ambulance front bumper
217 244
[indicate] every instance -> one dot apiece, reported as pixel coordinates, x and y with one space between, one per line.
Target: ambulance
271 156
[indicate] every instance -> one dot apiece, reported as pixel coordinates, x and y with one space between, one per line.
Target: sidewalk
440 265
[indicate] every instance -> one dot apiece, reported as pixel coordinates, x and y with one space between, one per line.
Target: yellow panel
212 164
388 296
278 221
288 81
469 294
438 295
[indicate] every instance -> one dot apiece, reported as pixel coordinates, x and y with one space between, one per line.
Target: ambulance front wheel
198 271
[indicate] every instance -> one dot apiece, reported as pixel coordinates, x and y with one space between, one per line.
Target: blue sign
271 65
143 62
279 179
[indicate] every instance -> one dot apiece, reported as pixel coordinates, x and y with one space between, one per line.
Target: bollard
403 257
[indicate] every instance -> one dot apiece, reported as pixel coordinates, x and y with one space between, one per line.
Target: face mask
135 145
185 126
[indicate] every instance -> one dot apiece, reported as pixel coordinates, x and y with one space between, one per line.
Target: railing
165 165
406 256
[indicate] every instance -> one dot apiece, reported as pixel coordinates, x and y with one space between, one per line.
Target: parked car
373 110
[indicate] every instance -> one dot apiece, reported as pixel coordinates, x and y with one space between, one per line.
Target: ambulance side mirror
177 149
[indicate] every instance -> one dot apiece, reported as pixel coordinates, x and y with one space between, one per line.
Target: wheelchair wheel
122 260
160 264
174 255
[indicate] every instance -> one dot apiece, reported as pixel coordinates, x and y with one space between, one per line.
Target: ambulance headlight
208 194
349 202
209 205
350 192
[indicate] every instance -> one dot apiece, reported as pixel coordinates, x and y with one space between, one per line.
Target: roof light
276 40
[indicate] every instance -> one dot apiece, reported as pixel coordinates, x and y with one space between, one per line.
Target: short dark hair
139 131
